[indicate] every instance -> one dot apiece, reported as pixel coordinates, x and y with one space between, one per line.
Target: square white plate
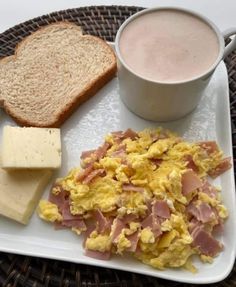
85 130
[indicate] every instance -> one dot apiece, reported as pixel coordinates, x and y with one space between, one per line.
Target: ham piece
131 187
58 199
202 212
155 136
133 238
120 152
160 208
206 214
87 153
66 214
84 173
210 146
206 243
93 174
76 223
127 218
194 224
89 173
101 220
96 154
98 255
152 222
117 229
58 225
102 150
190 182
129 133
209 189
190 163
223 166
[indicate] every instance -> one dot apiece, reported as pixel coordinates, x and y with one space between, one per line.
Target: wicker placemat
16 270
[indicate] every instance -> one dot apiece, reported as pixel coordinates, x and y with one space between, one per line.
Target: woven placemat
16 270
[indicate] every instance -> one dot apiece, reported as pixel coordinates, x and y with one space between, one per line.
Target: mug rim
188 11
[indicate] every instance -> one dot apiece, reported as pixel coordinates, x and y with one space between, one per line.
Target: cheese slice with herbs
34 148
20 191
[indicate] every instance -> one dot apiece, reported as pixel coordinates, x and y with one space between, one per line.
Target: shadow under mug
158 101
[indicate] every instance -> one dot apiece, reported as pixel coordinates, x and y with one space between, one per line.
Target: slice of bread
53 71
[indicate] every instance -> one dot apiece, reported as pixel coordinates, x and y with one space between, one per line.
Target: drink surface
169 46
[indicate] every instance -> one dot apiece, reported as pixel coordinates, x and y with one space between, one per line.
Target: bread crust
78 98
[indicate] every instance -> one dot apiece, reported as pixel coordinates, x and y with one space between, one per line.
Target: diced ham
223 166
193 224
127 218
209 189
98 255
58 199
148 221
117 229
102 150
129 133
101 221
192 209
190 163
218 229
118 134
109 223
196 229
66 214
84 173
157 231
210 146
95 155
153 223
160 208
155 136
202 212
91 226
58 225
190 182
131 187
149 207
86 154
206 243
120 152
93 174
133 238
206 214
76 223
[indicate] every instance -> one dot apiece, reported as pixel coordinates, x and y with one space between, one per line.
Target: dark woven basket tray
16 270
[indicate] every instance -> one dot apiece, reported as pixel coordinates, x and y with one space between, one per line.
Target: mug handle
232 45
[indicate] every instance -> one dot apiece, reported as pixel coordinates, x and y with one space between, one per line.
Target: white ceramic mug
158 101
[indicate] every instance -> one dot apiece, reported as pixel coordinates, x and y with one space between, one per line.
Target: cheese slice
20 191
31 148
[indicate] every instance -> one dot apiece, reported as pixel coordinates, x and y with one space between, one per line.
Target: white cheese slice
20 191
31 148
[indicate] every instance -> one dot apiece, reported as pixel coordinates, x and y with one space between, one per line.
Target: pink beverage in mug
169 46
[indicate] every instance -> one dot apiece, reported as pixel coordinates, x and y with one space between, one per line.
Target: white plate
85 130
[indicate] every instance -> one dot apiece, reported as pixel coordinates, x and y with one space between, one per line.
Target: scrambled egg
133 172
49 211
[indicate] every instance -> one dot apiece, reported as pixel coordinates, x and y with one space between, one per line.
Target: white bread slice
52 72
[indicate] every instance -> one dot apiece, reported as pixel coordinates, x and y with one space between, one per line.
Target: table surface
12 12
